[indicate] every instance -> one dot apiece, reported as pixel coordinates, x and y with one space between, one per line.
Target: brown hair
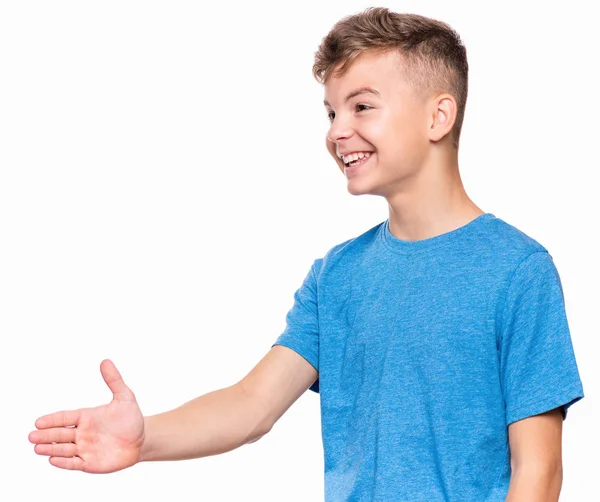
433 55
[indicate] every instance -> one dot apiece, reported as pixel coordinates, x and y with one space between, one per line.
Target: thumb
115 382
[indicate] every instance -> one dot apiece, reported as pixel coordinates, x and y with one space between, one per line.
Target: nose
339 130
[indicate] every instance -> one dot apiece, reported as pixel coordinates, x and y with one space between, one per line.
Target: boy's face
392 124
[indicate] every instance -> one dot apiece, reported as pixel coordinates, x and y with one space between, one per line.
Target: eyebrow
362 90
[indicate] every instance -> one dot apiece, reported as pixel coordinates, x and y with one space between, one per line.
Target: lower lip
353 169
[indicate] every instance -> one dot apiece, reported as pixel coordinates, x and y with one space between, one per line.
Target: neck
431 202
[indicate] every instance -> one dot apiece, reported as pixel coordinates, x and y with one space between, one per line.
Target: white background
164 188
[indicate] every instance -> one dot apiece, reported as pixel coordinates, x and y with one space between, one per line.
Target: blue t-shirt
426 351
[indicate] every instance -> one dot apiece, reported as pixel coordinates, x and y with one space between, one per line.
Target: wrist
145 448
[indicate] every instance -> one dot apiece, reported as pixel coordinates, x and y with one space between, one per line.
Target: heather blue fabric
426 352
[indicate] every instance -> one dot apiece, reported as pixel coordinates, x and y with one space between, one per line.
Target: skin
414 166
536 458
97 440
114 436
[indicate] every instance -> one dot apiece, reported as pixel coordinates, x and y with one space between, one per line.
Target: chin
355 188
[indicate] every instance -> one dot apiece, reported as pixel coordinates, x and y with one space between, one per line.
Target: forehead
380 71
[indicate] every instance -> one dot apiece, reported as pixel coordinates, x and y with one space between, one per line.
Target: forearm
213 423
535 485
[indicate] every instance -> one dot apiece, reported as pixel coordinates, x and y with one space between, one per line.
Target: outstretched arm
225 419
115 436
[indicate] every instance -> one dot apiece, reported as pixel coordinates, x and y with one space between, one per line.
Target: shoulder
527 269
510 239
510 247
349 251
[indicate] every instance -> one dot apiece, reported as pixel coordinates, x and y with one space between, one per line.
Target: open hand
104 439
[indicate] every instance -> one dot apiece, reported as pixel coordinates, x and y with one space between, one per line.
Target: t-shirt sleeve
301 333
537 361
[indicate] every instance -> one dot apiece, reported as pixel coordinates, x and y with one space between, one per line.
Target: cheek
380 130
399 148
403 135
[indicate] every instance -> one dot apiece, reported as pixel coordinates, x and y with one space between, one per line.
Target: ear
442 117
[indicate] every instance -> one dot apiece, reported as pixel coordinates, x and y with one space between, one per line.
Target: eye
331 115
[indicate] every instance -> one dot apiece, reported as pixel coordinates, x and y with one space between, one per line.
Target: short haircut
433 57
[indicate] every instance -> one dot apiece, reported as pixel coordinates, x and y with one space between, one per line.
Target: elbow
258 435
258 418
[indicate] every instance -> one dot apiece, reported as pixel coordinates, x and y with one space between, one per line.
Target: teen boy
437 339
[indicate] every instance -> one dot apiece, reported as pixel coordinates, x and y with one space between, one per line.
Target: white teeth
355 156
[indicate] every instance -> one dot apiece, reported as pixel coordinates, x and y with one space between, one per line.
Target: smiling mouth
356 163
360 160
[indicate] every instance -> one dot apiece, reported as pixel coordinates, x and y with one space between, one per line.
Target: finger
57 450
115 382
59 419
70 463
56 435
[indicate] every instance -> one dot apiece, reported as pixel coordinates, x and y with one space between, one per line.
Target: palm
109 437
104 439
